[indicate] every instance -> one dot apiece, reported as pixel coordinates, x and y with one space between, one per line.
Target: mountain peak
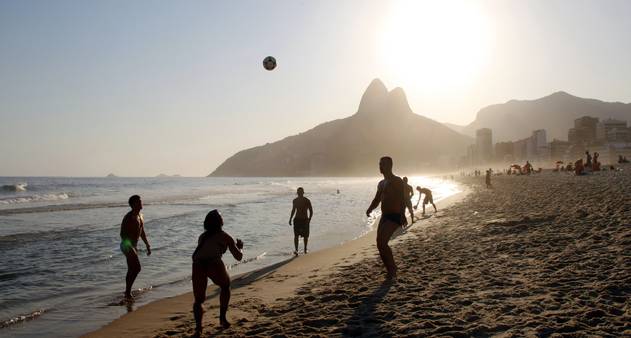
398 102
377 100
374 98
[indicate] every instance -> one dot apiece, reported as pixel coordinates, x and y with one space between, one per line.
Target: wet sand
543 255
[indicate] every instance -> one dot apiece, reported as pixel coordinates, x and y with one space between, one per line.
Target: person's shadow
363 321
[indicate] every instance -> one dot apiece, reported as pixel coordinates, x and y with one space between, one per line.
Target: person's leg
200 282
133 269
434 205
305 240
296 237
424 208
219 276
384 232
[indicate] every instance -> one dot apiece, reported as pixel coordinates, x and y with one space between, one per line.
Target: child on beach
207 263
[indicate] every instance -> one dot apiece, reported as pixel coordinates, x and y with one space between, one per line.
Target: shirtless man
133 228
409 192
391 195
428 198
301 222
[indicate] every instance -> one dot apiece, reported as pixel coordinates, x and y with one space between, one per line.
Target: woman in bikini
207 263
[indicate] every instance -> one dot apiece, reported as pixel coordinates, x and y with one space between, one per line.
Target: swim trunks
301 227
126 246
394 217
428 199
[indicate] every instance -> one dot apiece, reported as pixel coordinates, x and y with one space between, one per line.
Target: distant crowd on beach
394 195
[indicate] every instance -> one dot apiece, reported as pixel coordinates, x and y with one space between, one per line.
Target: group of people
591 164
394 195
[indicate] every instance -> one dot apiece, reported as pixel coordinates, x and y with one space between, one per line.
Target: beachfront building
612 131
584 130
559 150
484 144
504 151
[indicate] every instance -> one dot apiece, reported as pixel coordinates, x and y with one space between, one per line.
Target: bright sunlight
434 45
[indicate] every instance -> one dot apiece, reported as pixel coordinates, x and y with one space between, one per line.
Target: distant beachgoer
596 164
428 199
409 193
391 195
528 168
578 167
133 228
300 207
588 160
207 263
488 178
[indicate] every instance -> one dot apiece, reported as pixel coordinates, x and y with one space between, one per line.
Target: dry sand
542 255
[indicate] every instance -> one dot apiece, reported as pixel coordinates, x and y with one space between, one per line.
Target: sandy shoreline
547 255
269 285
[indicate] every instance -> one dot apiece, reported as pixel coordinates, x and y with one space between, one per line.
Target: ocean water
62 273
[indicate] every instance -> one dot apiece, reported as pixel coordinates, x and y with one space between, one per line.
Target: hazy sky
139 88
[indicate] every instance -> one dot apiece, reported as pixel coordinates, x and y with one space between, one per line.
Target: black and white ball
269 63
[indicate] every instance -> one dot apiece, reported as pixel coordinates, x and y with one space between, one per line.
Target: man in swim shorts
391 196
428 198
133 228
300 207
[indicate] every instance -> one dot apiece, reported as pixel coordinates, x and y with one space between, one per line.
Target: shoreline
270 284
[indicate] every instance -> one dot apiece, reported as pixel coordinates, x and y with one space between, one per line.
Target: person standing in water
207 263
409 193
428 198
300 207
133 228
391 196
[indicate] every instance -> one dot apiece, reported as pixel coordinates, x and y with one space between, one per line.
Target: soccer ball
269 63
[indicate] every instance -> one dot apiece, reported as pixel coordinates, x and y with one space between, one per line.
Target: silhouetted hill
383 125
555 113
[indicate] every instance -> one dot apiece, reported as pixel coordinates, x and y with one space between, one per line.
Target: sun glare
434 45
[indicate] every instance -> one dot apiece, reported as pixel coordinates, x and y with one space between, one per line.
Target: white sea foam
18 187
35 198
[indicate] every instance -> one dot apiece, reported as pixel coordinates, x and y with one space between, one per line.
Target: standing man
301 222
409 192
428 198
488 178
133 228
391 195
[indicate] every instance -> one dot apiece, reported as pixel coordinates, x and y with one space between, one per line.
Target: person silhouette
409 193
391 195
302 221
428 198
133 228
207 263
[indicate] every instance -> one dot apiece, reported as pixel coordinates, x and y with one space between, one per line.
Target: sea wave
18 187
35 198
21 318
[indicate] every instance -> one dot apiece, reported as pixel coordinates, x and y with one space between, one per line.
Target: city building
504 151
484 144
611 130
584 130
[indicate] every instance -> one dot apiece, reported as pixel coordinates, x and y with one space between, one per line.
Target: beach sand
542 255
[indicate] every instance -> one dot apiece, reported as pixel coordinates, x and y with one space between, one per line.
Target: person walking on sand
133 228
300 207
409 193
391 195
428 198
207 263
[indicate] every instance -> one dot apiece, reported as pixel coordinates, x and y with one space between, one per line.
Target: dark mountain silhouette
555 113
383 125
